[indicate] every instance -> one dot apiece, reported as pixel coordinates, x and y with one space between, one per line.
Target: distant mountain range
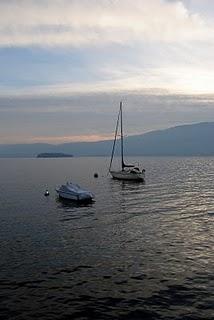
184 140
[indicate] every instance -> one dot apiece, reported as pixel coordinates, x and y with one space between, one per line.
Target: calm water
139 252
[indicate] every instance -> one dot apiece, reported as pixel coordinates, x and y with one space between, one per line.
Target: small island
54 155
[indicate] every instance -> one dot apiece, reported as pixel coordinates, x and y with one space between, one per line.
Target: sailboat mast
121 132
115 138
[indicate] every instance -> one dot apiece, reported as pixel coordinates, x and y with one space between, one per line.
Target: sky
66 64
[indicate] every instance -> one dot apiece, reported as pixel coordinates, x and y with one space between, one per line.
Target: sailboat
127 171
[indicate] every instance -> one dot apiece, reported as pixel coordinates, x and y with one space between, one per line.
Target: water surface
141 251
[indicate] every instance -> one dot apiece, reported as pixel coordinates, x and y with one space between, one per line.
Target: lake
141 251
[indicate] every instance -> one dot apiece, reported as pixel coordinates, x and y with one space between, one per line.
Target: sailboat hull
127 175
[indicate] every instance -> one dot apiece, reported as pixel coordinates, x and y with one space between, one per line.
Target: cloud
93 117
92 22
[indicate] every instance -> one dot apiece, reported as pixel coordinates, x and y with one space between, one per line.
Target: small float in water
46 194
72 191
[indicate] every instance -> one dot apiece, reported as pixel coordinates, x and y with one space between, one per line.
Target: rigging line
115 137
121 133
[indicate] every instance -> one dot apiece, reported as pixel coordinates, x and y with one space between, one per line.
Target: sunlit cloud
152 44
167 79
73 138
66 64
56 139
91 22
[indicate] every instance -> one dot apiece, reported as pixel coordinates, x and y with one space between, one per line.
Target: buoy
96 175
46 193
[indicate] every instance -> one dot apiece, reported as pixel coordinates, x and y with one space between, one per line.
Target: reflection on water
141 251
66 203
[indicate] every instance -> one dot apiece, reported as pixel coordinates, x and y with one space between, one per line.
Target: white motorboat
128 171
72 191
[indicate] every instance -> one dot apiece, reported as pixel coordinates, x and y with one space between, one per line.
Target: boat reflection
67 203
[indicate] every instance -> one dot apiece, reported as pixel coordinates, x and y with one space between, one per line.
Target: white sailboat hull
127 175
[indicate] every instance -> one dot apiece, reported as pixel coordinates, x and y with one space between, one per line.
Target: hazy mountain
187 140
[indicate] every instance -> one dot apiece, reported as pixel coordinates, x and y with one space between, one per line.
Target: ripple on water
141 251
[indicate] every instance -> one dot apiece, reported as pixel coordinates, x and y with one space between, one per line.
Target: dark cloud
96 113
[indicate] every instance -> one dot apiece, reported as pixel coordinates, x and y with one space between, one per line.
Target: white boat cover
74 192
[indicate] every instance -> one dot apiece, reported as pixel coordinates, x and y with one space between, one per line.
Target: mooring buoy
46 193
